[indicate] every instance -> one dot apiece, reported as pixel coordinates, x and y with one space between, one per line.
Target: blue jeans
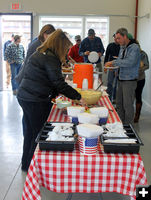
14 71
112 84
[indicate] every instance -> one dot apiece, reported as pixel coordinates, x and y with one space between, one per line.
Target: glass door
17 24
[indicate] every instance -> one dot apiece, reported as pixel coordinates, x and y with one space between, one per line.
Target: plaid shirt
15 53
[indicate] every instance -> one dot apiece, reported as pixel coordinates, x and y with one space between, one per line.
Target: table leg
69 196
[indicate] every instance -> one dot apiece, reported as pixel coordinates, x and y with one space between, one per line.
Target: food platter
116 67
67 70
68 73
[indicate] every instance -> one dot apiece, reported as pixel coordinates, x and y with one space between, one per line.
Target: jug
83 71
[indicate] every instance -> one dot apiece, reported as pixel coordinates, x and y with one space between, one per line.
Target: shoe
137 113
14 92
114 102
24 169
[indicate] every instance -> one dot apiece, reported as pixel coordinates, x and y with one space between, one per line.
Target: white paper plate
93 57
111 67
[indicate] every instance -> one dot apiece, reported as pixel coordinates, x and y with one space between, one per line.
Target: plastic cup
88 146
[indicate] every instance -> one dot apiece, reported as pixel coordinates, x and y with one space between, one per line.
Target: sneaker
114 102
24 169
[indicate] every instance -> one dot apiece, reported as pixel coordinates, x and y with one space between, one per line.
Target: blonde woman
42 81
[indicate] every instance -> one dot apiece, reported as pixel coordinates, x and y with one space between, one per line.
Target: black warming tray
123 147
54 145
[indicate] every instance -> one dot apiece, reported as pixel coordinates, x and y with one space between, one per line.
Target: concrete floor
12 178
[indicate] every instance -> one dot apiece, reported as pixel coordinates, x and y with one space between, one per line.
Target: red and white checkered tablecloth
70 172
57 115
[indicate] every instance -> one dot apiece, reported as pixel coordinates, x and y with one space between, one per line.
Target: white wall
79 7
144 37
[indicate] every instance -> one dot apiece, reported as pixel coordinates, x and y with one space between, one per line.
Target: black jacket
31 49
111 51
43 79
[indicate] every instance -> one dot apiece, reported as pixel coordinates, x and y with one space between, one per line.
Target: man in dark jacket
89 44
8 71
112 52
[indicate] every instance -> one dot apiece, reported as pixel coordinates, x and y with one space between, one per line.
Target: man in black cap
89 44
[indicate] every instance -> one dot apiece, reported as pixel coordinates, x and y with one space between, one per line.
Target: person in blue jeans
15 55
111 53
8 71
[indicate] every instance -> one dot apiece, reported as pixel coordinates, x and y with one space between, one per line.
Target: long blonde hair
58 43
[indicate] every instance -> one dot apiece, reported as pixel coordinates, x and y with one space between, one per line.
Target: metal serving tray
123 147
54 145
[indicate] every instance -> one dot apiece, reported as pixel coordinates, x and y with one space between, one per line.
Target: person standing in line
112 53
43 81
144 65
128 62
8 71
74 51
15 55
89 44
44 33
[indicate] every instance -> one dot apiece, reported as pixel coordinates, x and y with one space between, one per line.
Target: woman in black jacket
42 81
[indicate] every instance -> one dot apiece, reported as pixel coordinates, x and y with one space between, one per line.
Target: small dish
63 104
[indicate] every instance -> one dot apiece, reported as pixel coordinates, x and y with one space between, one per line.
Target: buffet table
71 172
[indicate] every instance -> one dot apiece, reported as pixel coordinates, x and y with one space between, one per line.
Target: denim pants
35 115
14 71
112 84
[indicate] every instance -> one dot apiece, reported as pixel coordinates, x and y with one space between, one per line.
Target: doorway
17 24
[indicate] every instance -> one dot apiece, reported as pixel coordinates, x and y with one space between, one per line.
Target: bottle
85 84
95 82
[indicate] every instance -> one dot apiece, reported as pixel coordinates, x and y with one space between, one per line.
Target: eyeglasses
78 40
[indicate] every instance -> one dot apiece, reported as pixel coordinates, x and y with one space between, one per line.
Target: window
75 25
100 25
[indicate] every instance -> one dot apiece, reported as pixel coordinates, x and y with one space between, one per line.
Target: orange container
82 71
